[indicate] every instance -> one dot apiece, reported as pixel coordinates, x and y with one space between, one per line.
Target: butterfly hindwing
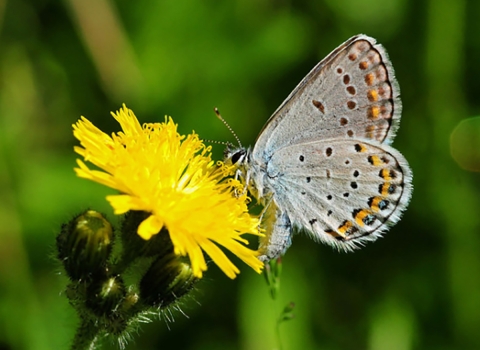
343 192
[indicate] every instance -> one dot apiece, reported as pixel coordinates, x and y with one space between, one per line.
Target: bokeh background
418 288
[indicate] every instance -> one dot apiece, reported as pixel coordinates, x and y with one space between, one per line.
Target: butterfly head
236 156
239 157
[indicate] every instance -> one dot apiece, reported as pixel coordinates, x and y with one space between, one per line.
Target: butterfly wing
322 161
325 180
352 93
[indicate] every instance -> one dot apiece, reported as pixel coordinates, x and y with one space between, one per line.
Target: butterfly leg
239 175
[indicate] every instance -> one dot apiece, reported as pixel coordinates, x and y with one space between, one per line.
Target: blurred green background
418 288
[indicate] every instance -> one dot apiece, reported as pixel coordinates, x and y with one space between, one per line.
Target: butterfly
323 161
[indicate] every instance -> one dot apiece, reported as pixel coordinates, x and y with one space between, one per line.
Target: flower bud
104 296
287 313
159 244
166 281
272 273
84 245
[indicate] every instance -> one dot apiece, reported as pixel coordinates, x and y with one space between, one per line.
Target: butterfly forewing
352 93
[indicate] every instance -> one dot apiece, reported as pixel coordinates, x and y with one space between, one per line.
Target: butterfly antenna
228 144
219 116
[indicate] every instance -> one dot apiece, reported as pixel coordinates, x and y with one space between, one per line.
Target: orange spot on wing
375 202
372 95
375 161
342 230
360 148
385 187
369 78
369 130
385 174
360 216
373 112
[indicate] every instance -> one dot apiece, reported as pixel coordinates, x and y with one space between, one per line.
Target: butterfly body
323 163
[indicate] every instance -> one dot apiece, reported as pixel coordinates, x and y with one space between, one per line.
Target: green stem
277 324
86 337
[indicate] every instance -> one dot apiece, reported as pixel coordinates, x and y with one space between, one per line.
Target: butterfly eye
236 157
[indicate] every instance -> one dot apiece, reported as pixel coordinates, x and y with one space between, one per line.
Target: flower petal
172 177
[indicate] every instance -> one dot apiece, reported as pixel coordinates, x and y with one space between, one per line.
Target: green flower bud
166 281
104 296
272 273
84 245
160 244
287 313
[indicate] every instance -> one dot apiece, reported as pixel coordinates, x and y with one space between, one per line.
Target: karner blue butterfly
322 162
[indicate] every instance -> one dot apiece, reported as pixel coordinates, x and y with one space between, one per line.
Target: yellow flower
173 178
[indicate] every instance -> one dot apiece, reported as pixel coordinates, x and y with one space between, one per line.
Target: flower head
172 177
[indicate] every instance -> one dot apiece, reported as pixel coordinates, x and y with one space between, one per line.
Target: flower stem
277 324
85 338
